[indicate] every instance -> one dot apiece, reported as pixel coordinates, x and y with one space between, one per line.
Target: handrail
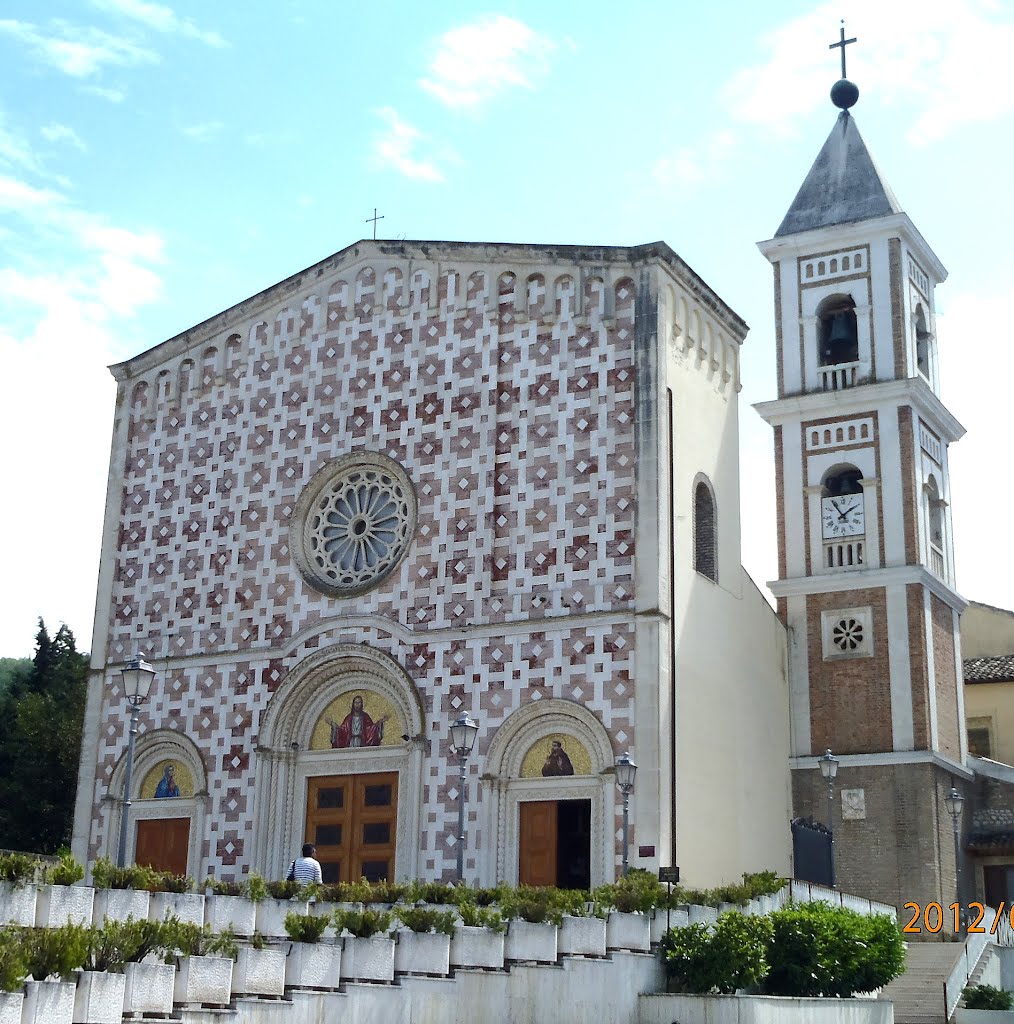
996 930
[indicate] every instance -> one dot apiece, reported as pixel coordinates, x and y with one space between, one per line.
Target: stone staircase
918 995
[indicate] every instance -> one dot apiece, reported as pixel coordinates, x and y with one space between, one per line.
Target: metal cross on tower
842 43
375 218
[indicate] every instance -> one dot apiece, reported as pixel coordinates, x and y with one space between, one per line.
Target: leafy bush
638 893
189 939
531 904
425 919
166 881
52 952
12 963
985 997
256 888
362 923
725 957
431 892
817 949
118 943
106 875
219 888
282 890
66 871
481 917
18 868
257 941
305 927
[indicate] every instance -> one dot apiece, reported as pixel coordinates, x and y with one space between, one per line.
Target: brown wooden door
163 844
353 820
537 852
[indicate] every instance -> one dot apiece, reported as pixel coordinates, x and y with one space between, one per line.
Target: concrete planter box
271 915
477 947
531 942
187 906
48 1002
628 931
149 989
99 998
259 972
203 979
369 959
582 936
660 923
702 915
314 965
963 1016
17 904
119 905
10 1007
230 913
422 953
64 904
687 1009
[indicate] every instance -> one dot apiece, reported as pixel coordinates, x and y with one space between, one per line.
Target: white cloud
947 57
691 165
78 52
394 149
113 95
203 132
160 18
474 62
54 132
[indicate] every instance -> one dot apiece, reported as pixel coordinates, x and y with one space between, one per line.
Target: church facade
426 478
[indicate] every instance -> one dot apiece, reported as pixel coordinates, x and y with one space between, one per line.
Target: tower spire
843 93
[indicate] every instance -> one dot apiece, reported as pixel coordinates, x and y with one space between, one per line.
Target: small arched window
705 532
922 343
837 331
844 480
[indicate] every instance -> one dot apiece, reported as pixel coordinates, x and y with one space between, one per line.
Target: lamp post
463 733
829 769
137 676
954 801
626 770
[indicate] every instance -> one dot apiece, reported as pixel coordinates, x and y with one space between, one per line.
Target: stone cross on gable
375 218
842 43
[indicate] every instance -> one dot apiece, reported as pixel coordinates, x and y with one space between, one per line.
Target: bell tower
866 569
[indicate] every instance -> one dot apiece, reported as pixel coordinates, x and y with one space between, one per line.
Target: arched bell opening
838 331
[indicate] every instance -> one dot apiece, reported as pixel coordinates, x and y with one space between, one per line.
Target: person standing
306 869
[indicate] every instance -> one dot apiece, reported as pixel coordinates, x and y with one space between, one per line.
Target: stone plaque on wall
853 804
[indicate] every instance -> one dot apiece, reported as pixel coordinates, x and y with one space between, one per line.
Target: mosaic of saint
556 756
358 718
168 779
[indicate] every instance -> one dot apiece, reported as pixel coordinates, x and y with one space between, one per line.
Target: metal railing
996 930
808 892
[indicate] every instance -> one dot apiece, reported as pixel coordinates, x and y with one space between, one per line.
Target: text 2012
974 919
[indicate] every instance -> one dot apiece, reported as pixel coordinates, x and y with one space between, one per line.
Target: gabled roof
844 185
996 669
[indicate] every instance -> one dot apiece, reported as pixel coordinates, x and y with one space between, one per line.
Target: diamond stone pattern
484 406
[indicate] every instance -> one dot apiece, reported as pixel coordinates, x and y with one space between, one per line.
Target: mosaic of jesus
356 719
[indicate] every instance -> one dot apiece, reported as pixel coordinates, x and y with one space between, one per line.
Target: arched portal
340 757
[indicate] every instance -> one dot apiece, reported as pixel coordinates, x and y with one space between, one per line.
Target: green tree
41 714
12 669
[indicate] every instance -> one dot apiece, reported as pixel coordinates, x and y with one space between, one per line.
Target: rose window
353 524
848 634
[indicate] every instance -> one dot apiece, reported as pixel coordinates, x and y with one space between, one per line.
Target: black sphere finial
844 94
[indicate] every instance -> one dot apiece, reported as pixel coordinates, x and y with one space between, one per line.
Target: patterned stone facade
505 381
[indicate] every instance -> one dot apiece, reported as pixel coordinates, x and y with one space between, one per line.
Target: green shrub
219 888
362 923
282 890
18 868
257 941
166 881
12 962
638 893
66 871
188 939
817 949
305 927
481 917
725 957
425 919
117 943
256 888
50 952
431 892
106 875
535 905
985 997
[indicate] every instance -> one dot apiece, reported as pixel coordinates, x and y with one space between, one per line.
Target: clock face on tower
843 516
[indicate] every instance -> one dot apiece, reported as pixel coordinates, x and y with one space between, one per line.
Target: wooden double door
353 822
163 844
555 843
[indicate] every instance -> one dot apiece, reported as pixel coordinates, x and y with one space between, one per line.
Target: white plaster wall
732 707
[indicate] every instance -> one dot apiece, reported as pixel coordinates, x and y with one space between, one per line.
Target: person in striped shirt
306 869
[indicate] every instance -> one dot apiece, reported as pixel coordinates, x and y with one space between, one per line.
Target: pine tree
41 716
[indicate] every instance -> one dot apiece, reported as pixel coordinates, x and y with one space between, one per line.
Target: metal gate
811 851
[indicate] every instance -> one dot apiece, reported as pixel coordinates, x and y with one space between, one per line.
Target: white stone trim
799 674
931 674
959 676
507 790
900 668
891 758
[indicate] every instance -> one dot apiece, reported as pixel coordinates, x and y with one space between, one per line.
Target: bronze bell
842 330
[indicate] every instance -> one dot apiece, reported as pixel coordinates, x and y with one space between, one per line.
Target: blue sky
160 163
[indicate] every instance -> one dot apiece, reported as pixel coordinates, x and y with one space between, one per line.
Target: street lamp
829 769
463 733
626 770
954 801
137 676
